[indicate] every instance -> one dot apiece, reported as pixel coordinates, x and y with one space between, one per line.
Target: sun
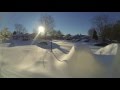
41 29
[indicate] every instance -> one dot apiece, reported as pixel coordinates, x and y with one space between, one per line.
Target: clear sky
67 22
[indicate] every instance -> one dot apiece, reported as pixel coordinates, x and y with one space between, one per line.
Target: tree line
104 29
46 20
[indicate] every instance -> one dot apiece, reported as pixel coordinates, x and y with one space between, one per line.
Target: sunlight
41 29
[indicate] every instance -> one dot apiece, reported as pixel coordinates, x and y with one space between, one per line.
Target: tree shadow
19 43
105 59
41 45
54 46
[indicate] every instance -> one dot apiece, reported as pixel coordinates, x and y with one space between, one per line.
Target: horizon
67 22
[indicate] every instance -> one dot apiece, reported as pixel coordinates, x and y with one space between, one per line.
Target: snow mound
30 61
116 64
108 50
82 63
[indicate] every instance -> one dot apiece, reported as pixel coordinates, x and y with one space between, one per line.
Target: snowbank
116 64
108 50
82 63
30 61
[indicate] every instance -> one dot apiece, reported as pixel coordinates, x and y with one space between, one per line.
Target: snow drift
33 61
30 61
82 63
116 64
108 50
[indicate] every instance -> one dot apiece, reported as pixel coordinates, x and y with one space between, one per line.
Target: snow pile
30 61
116 64
108 50
82 63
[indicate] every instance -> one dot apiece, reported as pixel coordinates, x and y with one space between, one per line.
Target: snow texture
108 50
71 60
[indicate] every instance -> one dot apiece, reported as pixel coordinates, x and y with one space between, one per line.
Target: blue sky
67 22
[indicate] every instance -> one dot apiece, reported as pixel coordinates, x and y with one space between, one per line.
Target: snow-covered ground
68 59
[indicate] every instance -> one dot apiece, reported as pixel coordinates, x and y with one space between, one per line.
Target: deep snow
108 50
68 59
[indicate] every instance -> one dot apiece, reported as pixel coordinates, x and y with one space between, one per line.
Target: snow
68 59
31 59
116 64
5 45
108 50
82 63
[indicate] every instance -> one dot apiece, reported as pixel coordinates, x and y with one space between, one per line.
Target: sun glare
41 29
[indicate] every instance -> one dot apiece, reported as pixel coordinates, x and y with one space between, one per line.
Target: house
25 37
21 36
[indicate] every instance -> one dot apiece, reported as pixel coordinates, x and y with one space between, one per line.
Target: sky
67 22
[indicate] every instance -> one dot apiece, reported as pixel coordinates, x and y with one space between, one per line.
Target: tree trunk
45 35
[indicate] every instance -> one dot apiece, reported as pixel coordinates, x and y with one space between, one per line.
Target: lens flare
41 30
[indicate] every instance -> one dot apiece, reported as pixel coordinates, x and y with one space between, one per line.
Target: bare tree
48 22
100 22
59 34
24 30
19 28
90 32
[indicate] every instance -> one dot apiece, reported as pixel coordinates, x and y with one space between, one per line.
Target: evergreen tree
5 34
95 36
